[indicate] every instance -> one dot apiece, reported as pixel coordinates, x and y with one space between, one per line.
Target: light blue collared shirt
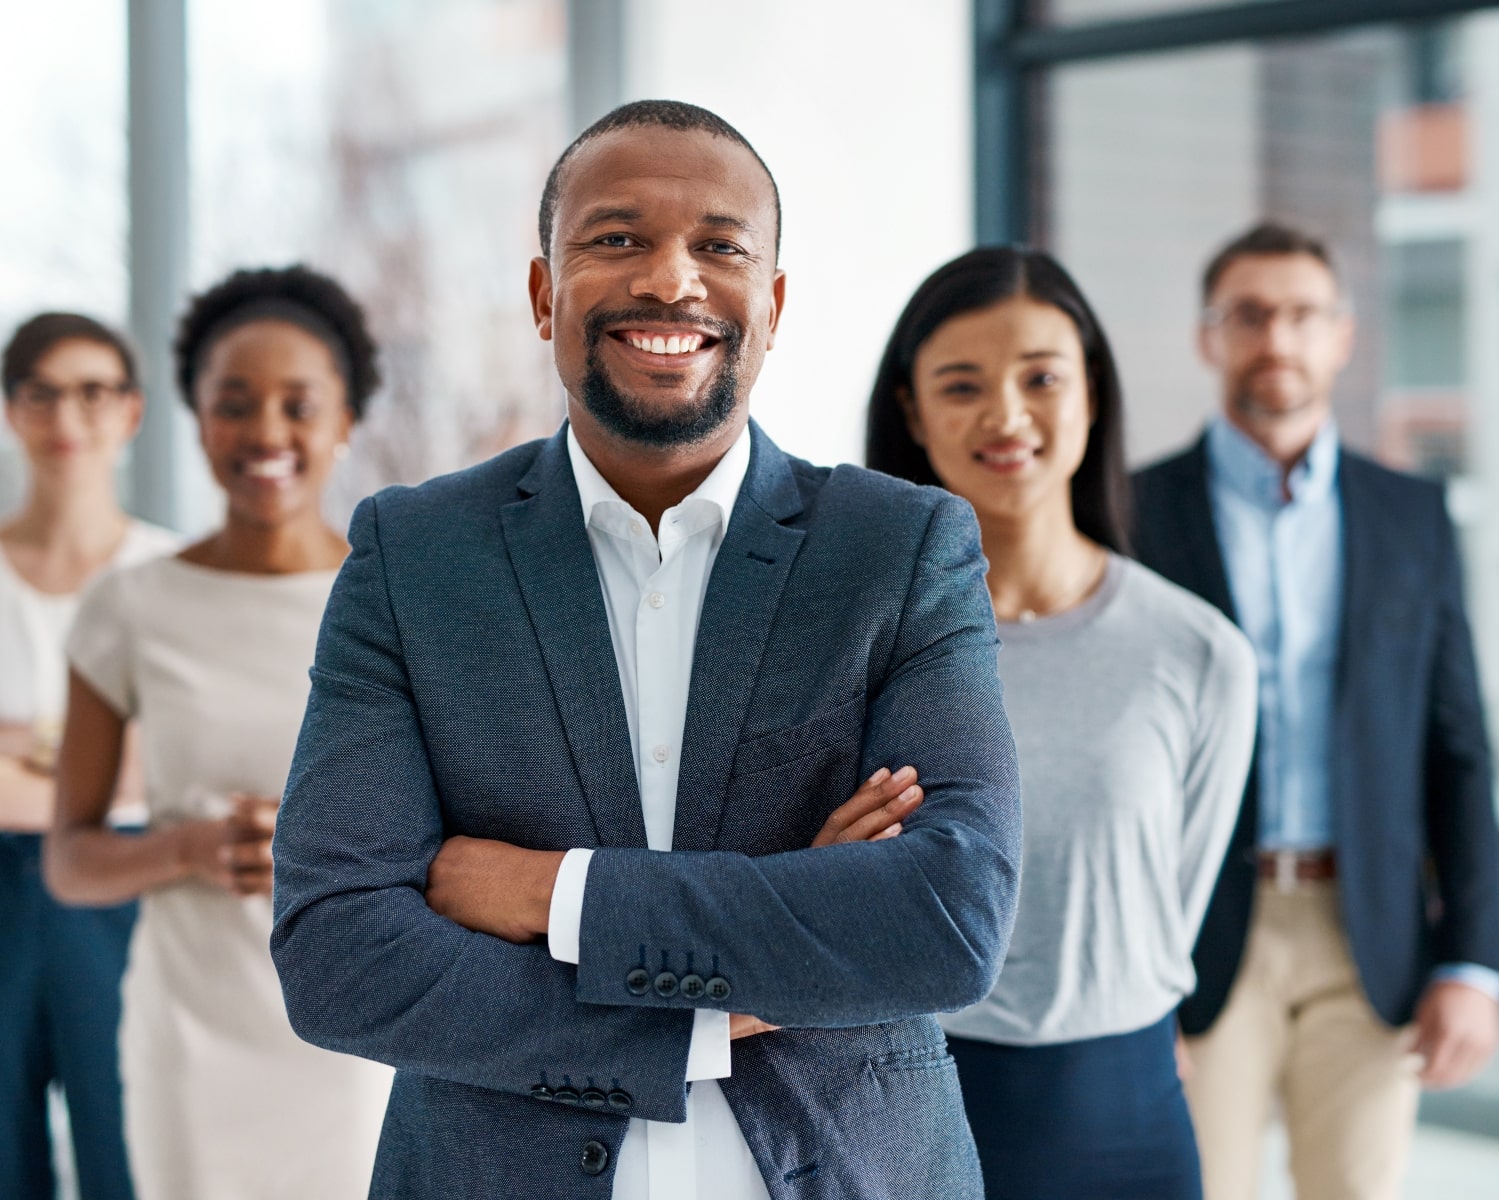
1284 558
1282 542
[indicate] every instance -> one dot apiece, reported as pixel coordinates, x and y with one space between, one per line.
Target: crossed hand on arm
506 890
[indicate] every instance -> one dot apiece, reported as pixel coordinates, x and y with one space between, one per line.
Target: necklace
1091 574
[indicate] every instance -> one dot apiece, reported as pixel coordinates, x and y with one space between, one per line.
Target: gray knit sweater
1134 718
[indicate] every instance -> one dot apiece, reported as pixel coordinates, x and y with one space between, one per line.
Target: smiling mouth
278 469
1007 457
664 344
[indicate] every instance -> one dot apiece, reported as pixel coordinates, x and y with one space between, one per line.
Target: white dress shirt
653 591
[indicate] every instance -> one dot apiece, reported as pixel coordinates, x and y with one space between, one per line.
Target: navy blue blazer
1413 801
465 683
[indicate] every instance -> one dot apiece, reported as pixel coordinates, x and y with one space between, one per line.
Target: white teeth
688 343
271 468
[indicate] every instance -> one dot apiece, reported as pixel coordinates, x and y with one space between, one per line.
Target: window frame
1013 51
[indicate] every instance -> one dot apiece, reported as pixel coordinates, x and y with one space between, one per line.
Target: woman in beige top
210 650
72 404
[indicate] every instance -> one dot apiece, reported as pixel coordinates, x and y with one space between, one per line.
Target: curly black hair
330 312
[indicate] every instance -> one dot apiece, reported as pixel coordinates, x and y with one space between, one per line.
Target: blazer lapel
744 592
1203 571
548 545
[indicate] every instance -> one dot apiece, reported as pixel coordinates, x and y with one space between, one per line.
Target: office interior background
149 146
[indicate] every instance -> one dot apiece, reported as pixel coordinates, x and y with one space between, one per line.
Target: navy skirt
1102 1119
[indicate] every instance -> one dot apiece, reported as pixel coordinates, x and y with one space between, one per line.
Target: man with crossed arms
655 631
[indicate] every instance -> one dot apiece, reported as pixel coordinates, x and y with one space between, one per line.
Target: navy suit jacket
465 683
1413 801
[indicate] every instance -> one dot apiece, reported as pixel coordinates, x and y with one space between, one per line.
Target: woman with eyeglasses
209 650
1133 707
72 403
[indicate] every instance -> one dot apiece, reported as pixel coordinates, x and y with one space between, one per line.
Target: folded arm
851 933
367 967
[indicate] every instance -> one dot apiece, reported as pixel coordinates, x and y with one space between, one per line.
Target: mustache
665 314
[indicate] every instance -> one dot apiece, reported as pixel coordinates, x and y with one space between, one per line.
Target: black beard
625 417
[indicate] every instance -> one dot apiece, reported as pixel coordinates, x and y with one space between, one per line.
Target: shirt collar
1237 461
720 489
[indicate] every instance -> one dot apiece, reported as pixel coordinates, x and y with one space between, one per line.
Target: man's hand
1457 1028
875 811
493 887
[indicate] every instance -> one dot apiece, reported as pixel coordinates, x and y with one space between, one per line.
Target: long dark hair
981 278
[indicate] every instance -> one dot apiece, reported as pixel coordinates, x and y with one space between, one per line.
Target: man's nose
669 274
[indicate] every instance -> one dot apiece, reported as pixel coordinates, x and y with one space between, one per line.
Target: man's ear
912 414
541 297
778 303
1205 349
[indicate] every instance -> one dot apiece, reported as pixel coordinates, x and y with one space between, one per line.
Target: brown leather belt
1290 867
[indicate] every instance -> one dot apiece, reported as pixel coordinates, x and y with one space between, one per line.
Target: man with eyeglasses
1351 951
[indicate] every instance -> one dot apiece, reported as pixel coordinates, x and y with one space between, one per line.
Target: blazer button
565 1096
621 1101
593 1098
718 988
666 985
541 1092
595 1158
638 981
693 986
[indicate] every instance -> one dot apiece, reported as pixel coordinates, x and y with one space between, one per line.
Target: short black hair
663 114
1101 503
1266 238
335 315
34 339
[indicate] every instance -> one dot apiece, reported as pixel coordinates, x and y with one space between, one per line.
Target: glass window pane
402 147
63 222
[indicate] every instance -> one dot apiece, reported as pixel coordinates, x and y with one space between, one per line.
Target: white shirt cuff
708 1055
565 917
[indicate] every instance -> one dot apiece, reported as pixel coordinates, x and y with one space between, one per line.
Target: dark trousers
1103 1119
60 974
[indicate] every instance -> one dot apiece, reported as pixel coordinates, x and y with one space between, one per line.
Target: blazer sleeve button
565 1095
593 1098
541 1092
666 985
595 1158
621 1101
693 987
638 981
718 988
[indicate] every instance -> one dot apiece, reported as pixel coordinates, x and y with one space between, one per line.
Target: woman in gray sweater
1133 706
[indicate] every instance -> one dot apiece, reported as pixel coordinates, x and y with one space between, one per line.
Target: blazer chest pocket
782 747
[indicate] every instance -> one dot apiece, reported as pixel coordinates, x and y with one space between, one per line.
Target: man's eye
614 240
722 248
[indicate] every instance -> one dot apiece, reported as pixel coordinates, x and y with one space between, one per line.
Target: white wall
863 111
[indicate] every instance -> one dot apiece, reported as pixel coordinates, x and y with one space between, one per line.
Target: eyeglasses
93 396
1247 318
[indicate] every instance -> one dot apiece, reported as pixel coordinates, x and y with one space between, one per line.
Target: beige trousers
1297 1028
